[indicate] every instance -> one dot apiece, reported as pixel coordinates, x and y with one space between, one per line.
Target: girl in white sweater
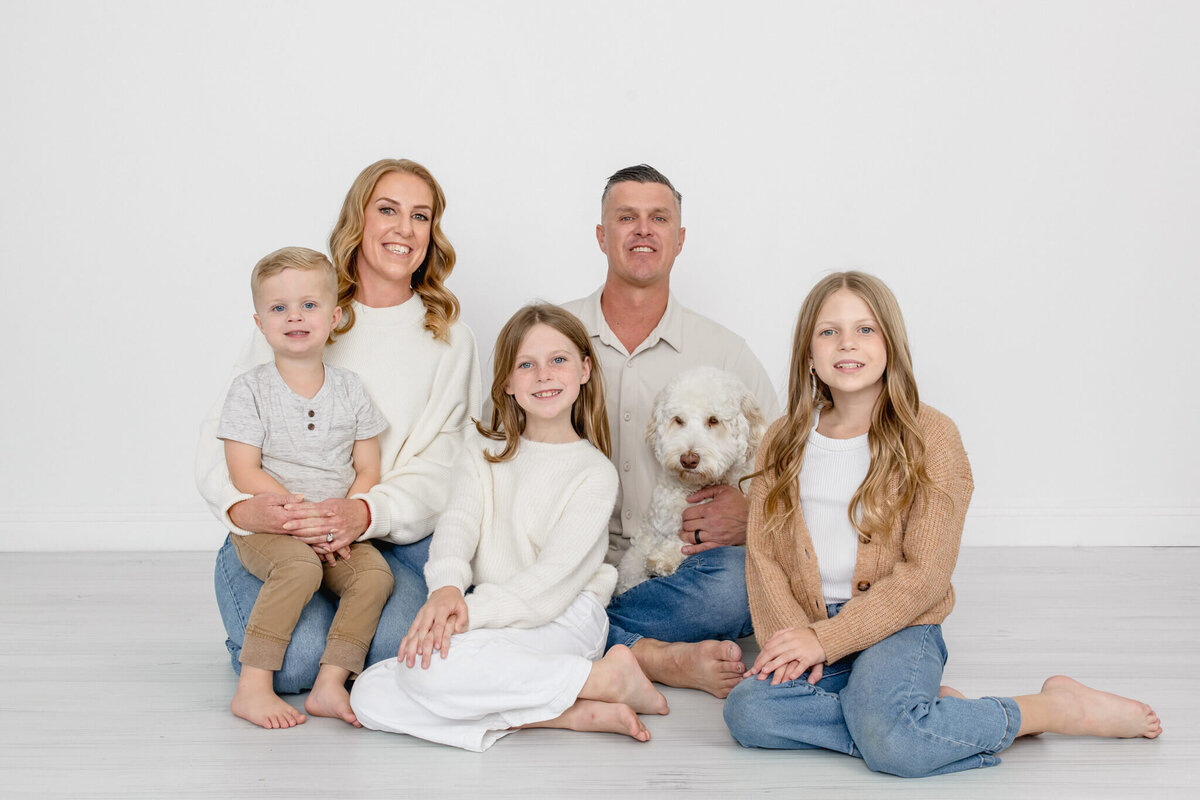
526 526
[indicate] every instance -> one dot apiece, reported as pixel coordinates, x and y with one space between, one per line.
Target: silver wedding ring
329 537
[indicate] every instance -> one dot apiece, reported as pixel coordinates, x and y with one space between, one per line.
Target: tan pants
291 573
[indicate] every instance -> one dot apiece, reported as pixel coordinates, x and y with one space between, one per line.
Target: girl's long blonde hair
429 281
897 447
589 416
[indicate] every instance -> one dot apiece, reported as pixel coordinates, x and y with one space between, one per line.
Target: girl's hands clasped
787 655
444 614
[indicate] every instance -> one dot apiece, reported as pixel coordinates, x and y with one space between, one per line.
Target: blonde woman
856 513
399 331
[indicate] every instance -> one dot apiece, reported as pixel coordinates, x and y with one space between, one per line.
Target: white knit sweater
529 533
427 389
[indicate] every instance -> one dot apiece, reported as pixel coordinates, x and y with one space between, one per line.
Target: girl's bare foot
329 697
617 678
595 715
950 691
1084 711
710 666
255 701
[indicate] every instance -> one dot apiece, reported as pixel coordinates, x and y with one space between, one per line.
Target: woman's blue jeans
704 599
237 590
880 705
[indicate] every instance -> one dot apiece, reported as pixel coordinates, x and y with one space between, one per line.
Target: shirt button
628 416
864 585
625 466
628 515
629 364
311 426
312 413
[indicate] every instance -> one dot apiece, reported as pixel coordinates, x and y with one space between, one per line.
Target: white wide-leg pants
492 680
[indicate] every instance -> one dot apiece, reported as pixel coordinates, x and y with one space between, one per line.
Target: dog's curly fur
704 429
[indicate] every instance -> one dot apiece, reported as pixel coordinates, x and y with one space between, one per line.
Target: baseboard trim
128 530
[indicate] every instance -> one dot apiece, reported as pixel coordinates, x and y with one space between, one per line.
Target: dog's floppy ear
756 425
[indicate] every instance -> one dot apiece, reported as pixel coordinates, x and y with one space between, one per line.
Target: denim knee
743 713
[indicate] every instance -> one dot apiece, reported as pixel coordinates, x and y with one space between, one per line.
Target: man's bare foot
617 678
330 699
950 691
255 701
594 715
711 666
1084 711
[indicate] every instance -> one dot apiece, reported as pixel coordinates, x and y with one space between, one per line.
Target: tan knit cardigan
899 582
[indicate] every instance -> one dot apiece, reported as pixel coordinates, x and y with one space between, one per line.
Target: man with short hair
680 626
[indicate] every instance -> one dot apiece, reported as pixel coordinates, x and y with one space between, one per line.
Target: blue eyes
277 308
865 330
419 216
529 364
309 306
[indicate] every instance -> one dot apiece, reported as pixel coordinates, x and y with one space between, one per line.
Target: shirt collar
669 328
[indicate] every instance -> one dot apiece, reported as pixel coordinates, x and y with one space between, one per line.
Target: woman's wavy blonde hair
897 447
441 306
589 416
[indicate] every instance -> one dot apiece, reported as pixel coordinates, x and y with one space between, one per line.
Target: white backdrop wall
1024 175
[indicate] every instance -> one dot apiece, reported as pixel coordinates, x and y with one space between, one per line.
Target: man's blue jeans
704 599
880 705
237 590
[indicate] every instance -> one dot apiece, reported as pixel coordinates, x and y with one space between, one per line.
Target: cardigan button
864 585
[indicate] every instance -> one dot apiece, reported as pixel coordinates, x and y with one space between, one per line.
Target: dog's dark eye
713 421
678 421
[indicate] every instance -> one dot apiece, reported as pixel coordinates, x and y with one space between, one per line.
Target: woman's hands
444 613
311 523
788 654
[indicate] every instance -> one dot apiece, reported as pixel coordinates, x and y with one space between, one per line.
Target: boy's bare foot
331 702
594 715
329 697
617 678
1084 711
950 691
255 701
711 666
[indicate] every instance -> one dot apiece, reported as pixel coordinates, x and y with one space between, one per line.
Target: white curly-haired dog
704 429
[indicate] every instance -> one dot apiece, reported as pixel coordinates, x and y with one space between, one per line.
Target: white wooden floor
119 684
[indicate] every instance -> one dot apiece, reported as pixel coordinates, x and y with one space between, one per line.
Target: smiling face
848 349
545 380
640 232
397 223
296 309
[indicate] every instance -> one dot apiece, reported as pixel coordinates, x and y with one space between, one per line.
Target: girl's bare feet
595 715
329 697
1084 711
710 666
617 678
950 691
255 701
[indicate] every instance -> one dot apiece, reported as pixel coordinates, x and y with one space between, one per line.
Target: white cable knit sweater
529 533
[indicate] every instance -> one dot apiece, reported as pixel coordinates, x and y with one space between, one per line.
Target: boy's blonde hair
897 447
300 258
589 416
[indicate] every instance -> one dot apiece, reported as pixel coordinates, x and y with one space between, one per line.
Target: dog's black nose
689 460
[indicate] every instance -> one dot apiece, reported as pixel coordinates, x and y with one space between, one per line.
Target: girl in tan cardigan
856 513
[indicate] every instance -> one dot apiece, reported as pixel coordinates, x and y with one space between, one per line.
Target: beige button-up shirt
681 340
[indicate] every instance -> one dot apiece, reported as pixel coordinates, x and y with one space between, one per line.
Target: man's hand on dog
718 523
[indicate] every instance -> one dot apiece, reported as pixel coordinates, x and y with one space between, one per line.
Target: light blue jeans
882 706
237 590
704 599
